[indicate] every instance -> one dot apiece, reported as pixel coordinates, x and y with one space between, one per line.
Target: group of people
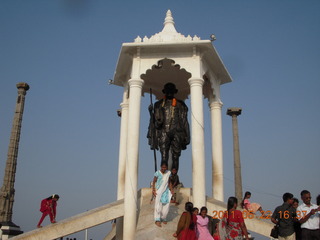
194 226
169 132
294 221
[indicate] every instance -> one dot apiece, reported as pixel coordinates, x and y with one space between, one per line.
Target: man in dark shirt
176 185
285 216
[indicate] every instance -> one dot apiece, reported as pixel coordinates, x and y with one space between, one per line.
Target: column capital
217 104
234 111
23 85
124 105
195 81
22 88
135 82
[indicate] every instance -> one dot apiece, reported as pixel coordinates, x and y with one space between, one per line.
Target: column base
8 230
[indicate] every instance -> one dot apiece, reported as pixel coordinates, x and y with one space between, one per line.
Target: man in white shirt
308 215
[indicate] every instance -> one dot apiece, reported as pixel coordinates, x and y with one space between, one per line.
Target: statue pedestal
146 229
8 230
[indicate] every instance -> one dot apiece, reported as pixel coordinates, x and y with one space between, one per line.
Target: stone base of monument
8 230
146 228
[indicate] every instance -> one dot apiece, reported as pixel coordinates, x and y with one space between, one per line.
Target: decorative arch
163 72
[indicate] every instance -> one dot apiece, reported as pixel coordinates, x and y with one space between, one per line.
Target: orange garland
173 104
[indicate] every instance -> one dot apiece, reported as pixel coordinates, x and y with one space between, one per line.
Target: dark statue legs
175 163
170 146
164 156
175 159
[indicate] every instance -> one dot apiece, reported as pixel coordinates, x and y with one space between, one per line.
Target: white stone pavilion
196 69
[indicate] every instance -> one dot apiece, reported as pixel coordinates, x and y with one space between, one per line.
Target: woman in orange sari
186 229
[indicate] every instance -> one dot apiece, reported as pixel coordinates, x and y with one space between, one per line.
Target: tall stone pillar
132 159
217 152
234 113
197 138
7 191
122 157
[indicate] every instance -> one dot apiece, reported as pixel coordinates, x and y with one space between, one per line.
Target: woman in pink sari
250 207
202 225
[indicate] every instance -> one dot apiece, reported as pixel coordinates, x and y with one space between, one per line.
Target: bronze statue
169 127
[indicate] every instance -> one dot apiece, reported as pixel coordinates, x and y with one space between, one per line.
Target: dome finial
168 33
169 23
169 18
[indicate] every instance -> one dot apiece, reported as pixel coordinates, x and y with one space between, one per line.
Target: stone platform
146 228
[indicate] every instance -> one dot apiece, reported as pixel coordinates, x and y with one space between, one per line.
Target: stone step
146 228
76 223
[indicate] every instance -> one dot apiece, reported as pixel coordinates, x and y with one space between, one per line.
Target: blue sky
66 50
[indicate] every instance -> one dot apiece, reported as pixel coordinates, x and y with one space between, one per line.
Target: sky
67 50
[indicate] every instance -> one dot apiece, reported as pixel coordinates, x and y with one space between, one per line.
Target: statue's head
169 90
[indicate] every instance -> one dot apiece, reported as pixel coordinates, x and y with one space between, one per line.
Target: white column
131 181
122 157
197 138
123 144
217 153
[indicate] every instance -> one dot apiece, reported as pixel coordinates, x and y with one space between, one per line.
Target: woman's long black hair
189 208
231 202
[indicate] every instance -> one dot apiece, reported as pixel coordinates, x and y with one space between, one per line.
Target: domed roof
168 33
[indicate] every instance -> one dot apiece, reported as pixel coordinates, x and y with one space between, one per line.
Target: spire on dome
169 23
168 33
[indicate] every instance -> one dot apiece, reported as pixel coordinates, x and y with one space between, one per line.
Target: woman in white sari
162 192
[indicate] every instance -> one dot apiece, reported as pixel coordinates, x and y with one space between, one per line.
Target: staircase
75 224
146 229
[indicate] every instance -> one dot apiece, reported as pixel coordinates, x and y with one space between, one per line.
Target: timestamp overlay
219 214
